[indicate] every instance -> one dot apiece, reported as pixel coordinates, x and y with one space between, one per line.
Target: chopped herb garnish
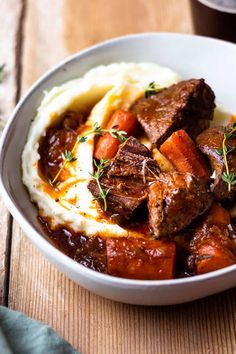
97 175
2 67
152 89
228 176
67 156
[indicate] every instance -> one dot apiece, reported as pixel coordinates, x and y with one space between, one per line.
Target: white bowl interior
190 56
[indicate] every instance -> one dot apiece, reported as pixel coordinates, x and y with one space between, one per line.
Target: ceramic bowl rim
37 238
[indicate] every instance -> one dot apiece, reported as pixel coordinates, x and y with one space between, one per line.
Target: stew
178 197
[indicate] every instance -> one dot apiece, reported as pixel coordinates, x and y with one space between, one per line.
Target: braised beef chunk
58 139
213 245
126 178
210 143
133 159
72 120
175 200
135 258
187 105
123 197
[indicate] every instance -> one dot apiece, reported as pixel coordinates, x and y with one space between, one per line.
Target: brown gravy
88 251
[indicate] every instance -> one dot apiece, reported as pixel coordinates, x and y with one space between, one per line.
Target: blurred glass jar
215 18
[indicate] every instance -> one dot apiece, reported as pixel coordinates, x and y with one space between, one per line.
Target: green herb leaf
227 176
230 178
2 67
219 152
113 133
231 136
226 150
118 134
97 175
68 156
122 136
151 90
97 130
82 139
104 162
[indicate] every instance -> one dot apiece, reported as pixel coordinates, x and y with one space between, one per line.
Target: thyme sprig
152 89
97 175
228 176
68 155
2 67
118 134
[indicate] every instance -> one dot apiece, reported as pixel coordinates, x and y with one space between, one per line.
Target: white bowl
191 57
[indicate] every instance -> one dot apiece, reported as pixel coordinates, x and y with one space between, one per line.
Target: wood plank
96 325
90 323
9 33
78 24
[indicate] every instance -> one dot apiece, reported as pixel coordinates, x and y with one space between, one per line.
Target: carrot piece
218 214
136 258
211 243
211 257
181 151
107 146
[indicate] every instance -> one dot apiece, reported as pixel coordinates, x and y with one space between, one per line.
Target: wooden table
35 35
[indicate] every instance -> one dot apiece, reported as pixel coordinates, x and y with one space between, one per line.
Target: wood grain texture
92 324
9 32
96 325
67 26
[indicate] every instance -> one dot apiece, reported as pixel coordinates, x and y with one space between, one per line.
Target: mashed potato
102 90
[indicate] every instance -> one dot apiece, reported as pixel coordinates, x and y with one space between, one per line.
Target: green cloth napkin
22 335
